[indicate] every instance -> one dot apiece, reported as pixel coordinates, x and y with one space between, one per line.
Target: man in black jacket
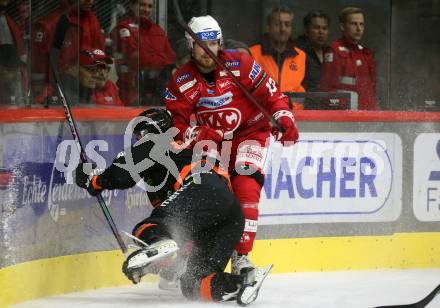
313 42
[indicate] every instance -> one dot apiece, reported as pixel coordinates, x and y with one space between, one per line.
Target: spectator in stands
348 66
106 92
79 83
10 77
42 34
313 42
77 24
142 51
278 55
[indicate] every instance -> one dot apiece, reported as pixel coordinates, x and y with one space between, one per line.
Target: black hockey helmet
158 121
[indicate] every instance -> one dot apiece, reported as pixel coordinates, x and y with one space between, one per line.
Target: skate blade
153 254
249 293
148 261
169 285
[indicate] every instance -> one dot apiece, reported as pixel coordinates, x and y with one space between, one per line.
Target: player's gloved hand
287 122
195 134
88 180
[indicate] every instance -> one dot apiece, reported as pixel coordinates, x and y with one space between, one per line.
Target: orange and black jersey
162 165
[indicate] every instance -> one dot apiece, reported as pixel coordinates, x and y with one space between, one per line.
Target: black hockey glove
88 181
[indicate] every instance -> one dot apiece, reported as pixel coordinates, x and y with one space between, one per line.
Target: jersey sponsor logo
236 73
231 64
224 84
169 96
188 85
245 238
192 95
208 35
251 225
358 62
215 101
328 57
124 32
249 153
256 70
183 77
343 48
227 119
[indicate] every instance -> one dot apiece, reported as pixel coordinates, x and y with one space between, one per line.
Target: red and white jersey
221 105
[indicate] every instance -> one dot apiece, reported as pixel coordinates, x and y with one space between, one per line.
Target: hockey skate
148 259
240 264
170 275
253 280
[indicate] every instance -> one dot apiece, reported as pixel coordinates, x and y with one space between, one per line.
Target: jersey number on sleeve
271 85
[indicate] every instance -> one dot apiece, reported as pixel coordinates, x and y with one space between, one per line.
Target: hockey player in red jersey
223 113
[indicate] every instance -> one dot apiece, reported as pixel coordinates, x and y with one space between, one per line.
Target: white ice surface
353 289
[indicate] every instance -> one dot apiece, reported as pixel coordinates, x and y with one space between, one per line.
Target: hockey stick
420 304
82 154
240 85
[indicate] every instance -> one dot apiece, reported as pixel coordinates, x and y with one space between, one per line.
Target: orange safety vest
292 72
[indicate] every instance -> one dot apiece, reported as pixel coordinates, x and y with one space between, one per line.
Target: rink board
76 273
360 192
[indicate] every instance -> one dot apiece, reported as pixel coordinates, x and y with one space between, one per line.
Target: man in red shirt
142 50
79 24
350 67
43 31
61 32
222 112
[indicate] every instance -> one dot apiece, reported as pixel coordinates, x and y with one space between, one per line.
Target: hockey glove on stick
88 180
287 121
195 134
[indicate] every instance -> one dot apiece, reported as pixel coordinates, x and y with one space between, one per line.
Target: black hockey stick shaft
82 153
420 304
220 63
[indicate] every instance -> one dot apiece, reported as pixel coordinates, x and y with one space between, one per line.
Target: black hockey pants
208 215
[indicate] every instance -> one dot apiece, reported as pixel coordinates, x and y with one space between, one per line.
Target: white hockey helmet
206 28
